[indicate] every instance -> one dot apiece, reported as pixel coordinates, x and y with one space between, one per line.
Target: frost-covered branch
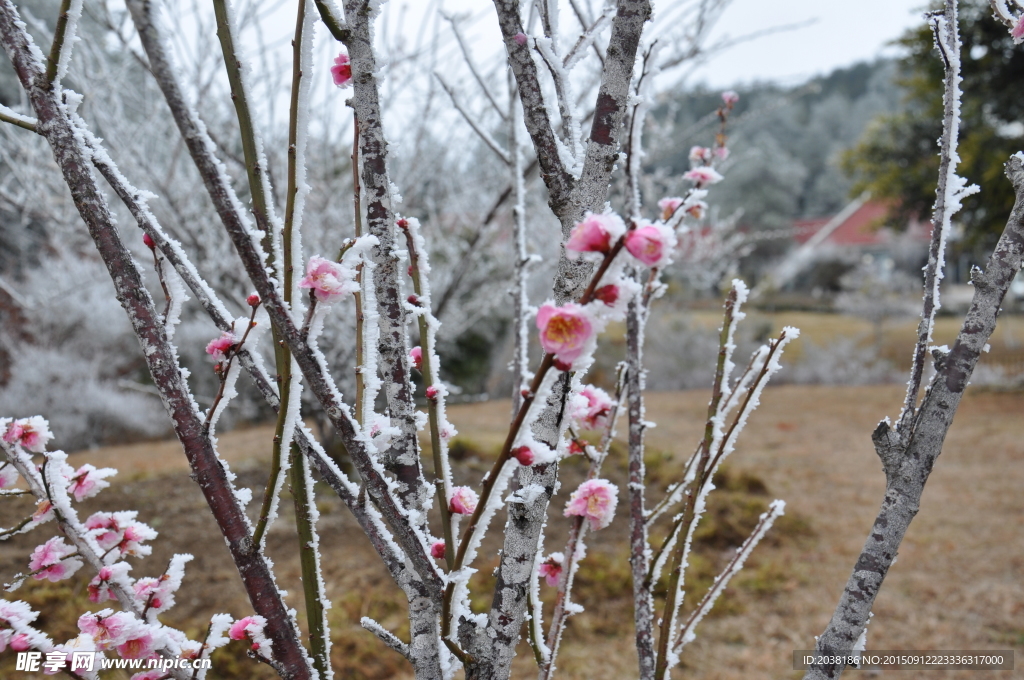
74 161
483 134
232 216
949 192
908 455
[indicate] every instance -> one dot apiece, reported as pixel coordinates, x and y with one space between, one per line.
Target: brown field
958 583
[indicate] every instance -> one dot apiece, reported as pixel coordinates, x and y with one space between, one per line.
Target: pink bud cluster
594 500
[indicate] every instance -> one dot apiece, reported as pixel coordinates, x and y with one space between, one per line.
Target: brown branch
160 356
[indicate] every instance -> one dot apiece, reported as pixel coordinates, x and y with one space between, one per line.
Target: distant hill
785 142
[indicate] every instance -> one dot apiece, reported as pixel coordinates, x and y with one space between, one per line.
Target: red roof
865 227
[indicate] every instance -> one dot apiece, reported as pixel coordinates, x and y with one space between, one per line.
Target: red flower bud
523 454
253 300
413 300
432 393
403 223
607 294
148 240
562 366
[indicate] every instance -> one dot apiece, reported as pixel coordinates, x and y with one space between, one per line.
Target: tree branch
904 488
161 358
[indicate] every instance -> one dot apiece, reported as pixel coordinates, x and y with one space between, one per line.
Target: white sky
844 32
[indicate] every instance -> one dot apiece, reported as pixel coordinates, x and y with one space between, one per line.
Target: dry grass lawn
958 583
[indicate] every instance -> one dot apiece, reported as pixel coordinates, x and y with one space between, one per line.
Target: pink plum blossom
1017 30
669 205
8 475
5 638
87 481
416 356
329 281
245 627
595 500
52 560
251 628
697 210
20 642
551 568
652 244
341 72
721 152
33 434
593 407
141 646
154 593
700 154
564 331
595 234
99 588
730 98
43 513
120 530
703 176
109 629
437 550
218 348
463 501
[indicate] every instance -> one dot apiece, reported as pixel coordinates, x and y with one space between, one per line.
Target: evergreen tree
897 158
